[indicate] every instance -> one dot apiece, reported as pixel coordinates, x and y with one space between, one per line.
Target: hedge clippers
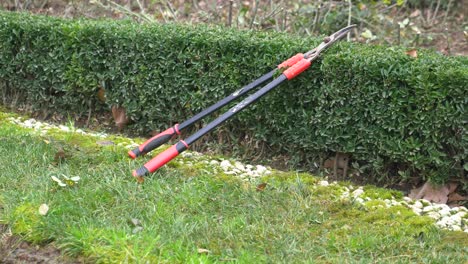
290 68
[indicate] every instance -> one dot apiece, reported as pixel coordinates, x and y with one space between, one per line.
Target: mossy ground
188 213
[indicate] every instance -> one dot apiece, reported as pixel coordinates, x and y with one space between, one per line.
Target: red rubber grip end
291 61
131 154
297 69
162 159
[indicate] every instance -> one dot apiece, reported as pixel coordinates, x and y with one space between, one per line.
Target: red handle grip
291 61
297 68
160 160
154 142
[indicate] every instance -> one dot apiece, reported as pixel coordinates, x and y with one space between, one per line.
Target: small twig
237 15
348 36
327 13
90 103
428 15
356 34
162 14
231 2
254 13
195 4
43 4
171 9
317 16
285 20
402 7
279 21
18 5
26 4
387 8
274 12
142 8
303 27
122 9
447 11
447 36
416 41
398 30
435 12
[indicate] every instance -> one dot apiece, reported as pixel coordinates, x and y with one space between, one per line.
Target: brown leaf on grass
101 95
120 117
412 53
261 187
455 197
60 155
433 193
203 251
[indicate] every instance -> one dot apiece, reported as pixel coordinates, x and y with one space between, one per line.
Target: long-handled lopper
169 133
295 66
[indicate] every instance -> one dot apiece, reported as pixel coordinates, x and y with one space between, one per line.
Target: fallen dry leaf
43 209
346 227
412 53
433 193
261 187
60 155
452 186
101 95
415 13
120 117
455 197
203 251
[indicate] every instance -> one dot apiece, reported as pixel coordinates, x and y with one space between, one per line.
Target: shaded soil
14 250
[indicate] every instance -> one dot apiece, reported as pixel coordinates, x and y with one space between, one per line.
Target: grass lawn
187 213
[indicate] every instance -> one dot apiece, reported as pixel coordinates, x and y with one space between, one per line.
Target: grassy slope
183 209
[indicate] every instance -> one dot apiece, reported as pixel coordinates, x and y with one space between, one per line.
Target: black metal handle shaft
169 154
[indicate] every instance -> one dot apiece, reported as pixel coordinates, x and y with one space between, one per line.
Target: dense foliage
393 112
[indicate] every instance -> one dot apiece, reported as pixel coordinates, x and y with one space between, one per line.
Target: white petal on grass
75 179
43 209
57 180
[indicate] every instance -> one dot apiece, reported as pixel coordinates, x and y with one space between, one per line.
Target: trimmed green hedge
397 114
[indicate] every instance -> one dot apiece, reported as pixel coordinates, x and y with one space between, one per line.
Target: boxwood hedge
400 115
